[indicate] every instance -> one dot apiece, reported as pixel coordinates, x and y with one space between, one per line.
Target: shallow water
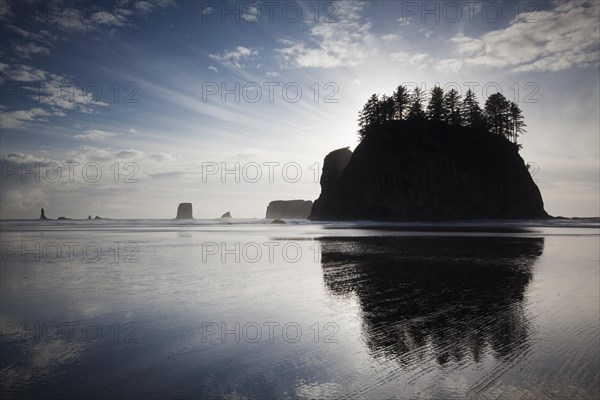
167 309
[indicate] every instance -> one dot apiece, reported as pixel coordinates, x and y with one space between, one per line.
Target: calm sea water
247 310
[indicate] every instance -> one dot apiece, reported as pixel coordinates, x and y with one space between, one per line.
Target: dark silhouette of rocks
226 215
290 209
184 211
64 219
42 215
278 221
97 217
333 166
89 217
421 170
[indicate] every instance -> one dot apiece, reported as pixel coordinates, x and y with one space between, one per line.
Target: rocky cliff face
184 211
428 171
290 209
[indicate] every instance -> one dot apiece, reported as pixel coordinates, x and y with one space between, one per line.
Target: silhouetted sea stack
423 170
290 209
184 211
226 215
42 215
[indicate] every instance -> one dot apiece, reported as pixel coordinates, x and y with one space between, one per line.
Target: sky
124 109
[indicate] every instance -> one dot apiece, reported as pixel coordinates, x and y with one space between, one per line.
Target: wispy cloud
17 119
30 49
96 134
562 38
340 43
239 57
390 37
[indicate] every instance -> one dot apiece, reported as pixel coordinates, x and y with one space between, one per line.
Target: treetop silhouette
499 115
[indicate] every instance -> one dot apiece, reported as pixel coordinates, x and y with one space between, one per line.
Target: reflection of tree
453 294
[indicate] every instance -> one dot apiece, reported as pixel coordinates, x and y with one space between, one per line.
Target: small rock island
289 209
184 211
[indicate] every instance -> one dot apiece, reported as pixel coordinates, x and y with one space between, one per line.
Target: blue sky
174 96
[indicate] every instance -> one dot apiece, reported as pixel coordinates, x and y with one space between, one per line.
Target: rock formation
89 217
291 209
277 222
42 215
226 215
184 211
426 171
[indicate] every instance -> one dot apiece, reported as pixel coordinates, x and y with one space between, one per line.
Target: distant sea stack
407 171
226 215
42 215
184 211
289 209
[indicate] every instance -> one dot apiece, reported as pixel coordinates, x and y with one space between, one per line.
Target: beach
243 309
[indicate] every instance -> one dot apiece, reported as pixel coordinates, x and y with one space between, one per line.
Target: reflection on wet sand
443 297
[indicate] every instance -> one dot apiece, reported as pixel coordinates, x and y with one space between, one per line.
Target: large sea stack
407 171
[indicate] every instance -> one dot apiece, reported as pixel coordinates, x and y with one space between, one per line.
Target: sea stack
415 171
226 215
184 211
42 215
289 209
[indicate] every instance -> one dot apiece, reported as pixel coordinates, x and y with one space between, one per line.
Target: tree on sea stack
497 114
517 125
452 109
415 111
369 115
435 108
470 111
401 99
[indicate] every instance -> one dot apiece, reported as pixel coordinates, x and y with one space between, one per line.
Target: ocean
244 309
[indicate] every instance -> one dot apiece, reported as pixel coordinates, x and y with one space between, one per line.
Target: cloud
251 13
409 58
340 43
30 49
390 37
562 38
43 36
213 68
238 57
5 10
17 119
272 74
160 157
23 73
95 134
125 13
426 33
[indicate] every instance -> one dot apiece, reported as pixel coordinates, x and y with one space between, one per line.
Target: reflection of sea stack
442 295
42 215
184 211
226 215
